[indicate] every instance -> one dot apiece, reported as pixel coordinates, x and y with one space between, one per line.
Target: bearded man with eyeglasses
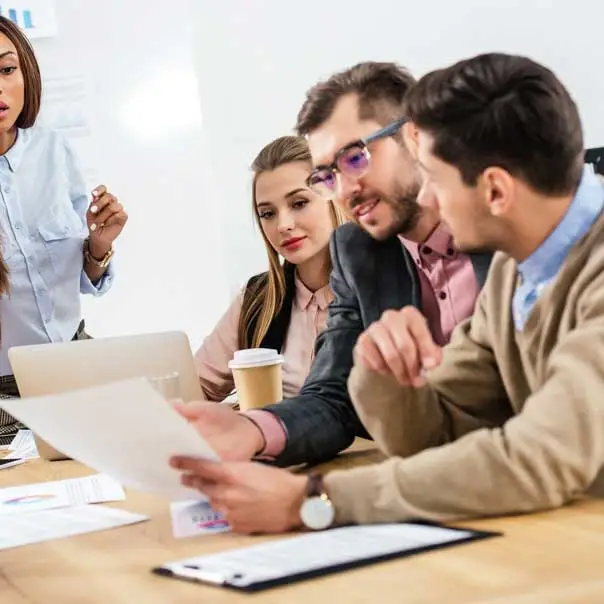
394 253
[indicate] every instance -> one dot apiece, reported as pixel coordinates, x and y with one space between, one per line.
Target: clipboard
286 561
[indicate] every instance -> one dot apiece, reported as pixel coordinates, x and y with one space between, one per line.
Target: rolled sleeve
99 288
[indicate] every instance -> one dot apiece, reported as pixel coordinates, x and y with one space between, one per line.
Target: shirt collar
304 296
544 263
14 155
438 245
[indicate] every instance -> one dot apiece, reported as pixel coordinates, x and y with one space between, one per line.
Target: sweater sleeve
543 457
463 394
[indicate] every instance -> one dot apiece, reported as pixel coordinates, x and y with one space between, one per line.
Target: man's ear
410 138
499 190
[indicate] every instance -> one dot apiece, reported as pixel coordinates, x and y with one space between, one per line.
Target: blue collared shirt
43 204
543 265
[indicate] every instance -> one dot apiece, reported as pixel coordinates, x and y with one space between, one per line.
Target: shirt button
450 251
427 250
7 190
442 295
18 226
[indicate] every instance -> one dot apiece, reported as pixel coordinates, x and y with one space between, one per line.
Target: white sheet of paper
124 429
21 437
285 557
192 518
66 522
23 446
58 494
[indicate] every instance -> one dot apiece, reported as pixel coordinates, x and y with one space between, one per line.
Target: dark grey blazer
368 278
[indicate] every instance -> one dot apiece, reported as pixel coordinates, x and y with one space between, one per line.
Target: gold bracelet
88 257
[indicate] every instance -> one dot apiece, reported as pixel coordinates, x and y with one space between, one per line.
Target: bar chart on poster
36 18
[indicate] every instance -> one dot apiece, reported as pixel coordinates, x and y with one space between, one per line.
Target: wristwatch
317 511
103 262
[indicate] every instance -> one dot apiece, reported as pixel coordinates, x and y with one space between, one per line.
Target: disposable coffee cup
258 377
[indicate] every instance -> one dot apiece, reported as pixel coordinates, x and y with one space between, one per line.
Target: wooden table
546 558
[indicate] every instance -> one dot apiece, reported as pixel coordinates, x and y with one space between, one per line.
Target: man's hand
252 497
399 344
232 436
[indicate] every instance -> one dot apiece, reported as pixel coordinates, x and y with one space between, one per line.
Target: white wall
149 146
185 93
256 59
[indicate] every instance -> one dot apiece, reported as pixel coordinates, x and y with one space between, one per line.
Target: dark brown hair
502 110
3 277
3 282
31 73
264 302
381 88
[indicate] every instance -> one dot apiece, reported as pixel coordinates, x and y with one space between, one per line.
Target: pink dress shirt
449 289
308 318
448 284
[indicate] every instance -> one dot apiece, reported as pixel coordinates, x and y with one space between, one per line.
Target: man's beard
405 209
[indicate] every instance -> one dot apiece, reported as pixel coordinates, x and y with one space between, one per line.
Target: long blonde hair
265 295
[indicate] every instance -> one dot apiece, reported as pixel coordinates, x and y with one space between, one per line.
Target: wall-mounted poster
37 18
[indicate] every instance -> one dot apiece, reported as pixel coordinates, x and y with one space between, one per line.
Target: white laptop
55 368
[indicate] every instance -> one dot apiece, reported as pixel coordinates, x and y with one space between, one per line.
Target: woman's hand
106 219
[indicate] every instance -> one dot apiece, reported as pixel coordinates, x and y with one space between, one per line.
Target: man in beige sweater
509 417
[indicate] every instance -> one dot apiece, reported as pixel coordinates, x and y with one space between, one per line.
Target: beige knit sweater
510 422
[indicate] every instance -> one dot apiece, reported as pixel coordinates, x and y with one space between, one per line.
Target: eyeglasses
352 161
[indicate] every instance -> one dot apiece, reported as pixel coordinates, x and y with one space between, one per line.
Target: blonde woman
284 308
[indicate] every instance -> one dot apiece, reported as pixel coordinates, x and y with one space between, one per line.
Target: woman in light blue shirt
56 239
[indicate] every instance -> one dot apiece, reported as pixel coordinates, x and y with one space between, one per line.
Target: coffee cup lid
255 357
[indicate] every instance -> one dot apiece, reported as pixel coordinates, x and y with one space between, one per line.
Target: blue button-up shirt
43 204
544 264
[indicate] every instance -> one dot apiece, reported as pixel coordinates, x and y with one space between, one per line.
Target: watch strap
315 486
317 511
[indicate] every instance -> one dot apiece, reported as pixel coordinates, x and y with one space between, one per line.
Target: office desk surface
546 558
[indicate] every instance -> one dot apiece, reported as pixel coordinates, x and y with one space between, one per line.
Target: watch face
317 513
